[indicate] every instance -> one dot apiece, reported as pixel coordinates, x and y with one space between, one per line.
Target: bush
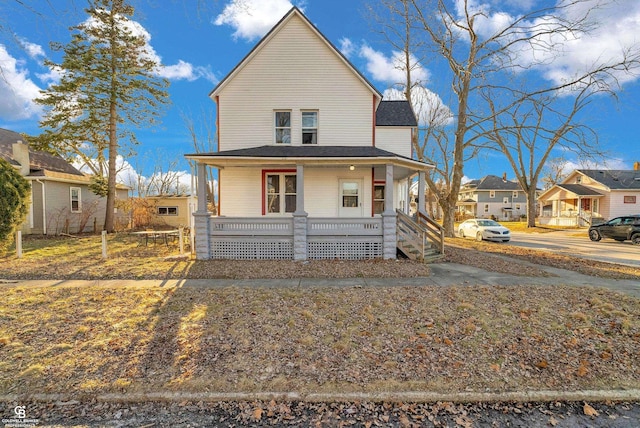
14 202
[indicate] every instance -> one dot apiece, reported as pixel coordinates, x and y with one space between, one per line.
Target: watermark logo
20 420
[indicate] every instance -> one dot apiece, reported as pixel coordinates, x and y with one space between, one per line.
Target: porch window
378 198
629 199
283 127
309 127
167 210
76 199
280 193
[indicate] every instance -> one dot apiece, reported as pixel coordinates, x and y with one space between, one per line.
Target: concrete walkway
442 274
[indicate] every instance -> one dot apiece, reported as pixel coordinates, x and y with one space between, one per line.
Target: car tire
479 236
461 233
506 240
635 239
594 235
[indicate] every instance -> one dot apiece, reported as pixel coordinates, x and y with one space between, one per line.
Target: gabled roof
395 113
614 179
39 161
294 11
491 182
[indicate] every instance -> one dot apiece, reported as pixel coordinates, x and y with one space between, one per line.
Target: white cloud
615 26
181 71
17 90
391 69
33 50
613 163
346 47
252 19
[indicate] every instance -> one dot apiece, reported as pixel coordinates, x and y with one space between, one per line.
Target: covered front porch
308 207
570 205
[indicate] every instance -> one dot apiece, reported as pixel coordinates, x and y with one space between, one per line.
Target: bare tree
529 132
481 59
554 172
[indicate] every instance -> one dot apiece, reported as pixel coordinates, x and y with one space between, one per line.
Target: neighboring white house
60 197
491 197
312 162
589 195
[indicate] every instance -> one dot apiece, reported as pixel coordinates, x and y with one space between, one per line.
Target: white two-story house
312 162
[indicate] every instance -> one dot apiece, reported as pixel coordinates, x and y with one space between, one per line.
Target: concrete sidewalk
442 274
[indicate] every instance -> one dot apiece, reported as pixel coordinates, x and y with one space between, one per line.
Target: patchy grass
90 340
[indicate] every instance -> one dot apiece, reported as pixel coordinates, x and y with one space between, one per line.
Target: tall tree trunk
531 207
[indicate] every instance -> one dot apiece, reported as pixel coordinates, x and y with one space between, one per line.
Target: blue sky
200 41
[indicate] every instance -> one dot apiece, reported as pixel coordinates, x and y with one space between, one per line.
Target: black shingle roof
492 182
580 190
307 151
395 113
615 179
38 160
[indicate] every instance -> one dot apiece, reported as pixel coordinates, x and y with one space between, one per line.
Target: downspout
44 208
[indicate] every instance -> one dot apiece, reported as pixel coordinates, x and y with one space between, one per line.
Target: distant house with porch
591 195
312 162
60 197
491 197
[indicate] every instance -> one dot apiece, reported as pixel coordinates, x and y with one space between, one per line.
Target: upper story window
514 194
492 193
75 198
283 127
309 127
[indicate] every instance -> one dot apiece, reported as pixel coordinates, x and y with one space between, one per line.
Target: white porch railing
345 226
251 226
273 238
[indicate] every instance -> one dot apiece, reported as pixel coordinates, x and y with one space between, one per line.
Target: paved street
576 243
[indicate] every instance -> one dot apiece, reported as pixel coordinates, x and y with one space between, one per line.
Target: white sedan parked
480 228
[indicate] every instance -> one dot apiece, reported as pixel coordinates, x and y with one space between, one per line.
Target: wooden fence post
104 244
19 244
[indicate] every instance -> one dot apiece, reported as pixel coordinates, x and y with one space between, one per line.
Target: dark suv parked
619 228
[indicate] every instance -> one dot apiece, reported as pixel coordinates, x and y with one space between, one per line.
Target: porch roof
580 190
307 155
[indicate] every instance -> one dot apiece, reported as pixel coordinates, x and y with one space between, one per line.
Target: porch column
421 192
389 217
201 217
300 218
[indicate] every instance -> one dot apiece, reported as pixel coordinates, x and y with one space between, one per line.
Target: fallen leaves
590 411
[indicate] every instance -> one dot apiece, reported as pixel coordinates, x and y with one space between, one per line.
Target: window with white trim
486 208
505 200
280 193
167 210
492 194
282 127
75 199
514 194
309 127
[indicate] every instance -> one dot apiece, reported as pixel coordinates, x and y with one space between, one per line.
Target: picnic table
156 235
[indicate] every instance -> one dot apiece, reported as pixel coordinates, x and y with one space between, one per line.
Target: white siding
241 192
295 70
617 207
321 189
396 140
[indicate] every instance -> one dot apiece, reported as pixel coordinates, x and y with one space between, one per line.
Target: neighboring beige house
172 210
591 195
60 197
312 162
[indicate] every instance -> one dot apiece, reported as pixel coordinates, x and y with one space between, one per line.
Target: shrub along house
60 197
312 162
